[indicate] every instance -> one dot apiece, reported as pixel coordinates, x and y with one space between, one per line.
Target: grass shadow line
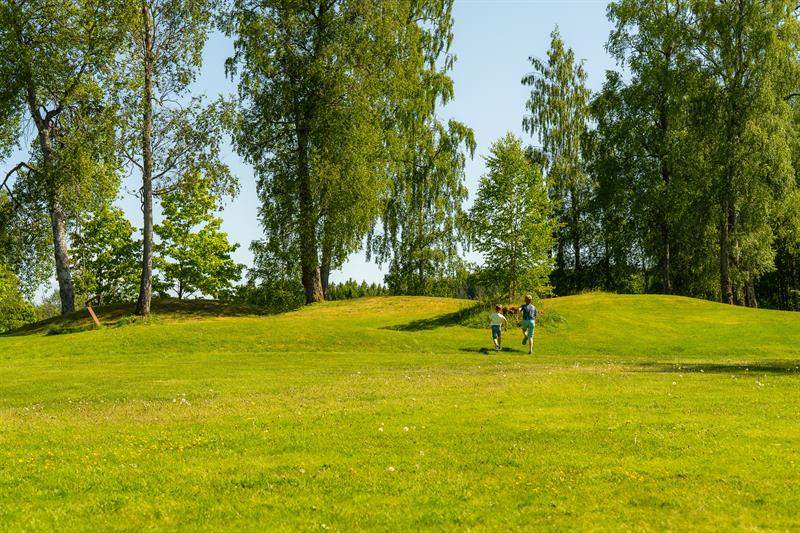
761 367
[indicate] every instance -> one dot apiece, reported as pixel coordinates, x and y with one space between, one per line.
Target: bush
14 310
477 316
272 297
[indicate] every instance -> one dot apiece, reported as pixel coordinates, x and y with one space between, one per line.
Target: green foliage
755 46
194 255
422 222
25 241
511 222
106 257
423 219
314 112
272 284
558 115
49 306
647 160
695 151
167 134
350 289
14 310
271 296
55 57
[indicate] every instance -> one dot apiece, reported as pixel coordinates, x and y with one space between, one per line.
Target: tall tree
423 219
749 49
558 110
312 117
512 223
161 137
654 41
53 56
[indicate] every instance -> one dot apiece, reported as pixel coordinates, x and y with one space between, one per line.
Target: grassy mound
636 412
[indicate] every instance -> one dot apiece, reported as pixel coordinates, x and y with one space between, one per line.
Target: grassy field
635 412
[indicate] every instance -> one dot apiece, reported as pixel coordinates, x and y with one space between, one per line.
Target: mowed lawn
636 412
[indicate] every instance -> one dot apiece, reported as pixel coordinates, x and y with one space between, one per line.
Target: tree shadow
456 318
761 367
112 315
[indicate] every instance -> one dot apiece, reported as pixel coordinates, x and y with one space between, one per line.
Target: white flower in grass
391 469
405 428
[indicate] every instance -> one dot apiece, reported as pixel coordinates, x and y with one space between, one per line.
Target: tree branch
13 171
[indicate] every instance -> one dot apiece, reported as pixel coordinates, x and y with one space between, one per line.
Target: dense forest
680 176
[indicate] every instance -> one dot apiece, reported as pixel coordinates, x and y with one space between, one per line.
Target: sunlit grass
636 412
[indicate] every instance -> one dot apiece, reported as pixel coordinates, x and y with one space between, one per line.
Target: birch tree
54 55
312 120
558 111
168 135
749 51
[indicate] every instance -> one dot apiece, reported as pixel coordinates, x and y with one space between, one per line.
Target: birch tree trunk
146 286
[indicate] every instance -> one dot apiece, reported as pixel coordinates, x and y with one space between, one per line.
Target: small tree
194 255
511 222
106 257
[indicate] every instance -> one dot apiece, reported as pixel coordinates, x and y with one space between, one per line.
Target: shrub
14 310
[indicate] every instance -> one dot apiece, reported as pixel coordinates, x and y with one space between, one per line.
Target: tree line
677 177
690 155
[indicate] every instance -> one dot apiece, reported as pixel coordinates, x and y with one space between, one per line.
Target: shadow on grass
456 318
450 319
116 314
762 367
488 351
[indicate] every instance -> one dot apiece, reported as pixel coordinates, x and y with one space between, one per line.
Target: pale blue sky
493 40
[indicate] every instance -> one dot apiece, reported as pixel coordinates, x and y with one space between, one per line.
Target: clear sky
493 40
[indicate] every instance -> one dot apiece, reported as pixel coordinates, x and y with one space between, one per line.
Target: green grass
636 412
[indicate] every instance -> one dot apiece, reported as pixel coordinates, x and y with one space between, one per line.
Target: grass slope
637 412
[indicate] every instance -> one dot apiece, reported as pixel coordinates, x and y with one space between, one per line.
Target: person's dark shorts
495 331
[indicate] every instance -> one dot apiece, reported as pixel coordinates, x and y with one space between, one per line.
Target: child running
497 320
529 314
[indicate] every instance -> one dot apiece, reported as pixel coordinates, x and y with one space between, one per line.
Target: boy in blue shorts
497 320
529 314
